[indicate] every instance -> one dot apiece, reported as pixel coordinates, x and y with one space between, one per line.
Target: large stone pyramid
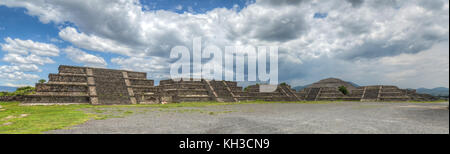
91 86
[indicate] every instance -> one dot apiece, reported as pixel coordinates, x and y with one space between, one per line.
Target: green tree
343 90
41 81
23 91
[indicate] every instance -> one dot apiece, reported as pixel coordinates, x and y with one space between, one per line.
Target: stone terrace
86 85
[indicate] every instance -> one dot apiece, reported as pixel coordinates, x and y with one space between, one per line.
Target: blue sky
357 40
197 6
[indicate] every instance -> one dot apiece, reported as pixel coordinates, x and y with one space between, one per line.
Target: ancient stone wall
11 98
106 86
67 78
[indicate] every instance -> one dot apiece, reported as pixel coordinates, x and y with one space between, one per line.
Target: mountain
352 83
8 89
298 88
440 91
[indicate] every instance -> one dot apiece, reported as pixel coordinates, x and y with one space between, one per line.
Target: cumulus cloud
22 68
25 56
156 66
79 56
353 32
21 52
30 59
14 73
92 42
356 3
24 47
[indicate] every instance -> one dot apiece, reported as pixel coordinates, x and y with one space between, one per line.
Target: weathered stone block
66 78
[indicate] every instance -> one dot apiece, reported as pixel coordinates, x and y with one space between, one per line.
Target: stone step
394 99
338 99
388 97
61 87
278 98
56 99
225 99
65 83
391 94
142 86
392 91
164 82
184 86
259 94
67 78
141 82
188 95
187 92
144 90
331 95
191 98
71 69
60 94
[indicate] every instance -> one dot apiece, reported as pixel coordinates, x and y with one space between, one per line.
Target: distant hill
8 89
440 91
298 88
352 83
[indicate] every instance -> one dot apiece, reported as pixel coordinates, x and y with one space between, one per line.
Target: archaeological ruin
98 86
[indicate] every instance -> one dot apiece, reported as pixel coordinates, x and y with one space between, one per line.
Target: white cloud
24 47
14 73
93 42
55 40
79 56
155 66
30 59
16 85
24 56
354 32
179 7
21 68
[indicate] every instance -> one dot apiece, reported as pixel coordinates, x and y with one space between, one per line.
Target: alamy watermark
261 62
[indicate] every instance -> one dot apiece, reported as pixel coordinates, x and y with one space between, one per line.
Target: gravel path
331 118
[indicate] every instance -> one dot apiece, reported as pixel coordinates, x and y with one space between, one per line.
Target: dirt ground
276 118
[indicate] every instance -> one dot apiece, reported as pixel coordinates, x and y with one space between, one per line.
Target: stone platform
328 89
98 86
90 85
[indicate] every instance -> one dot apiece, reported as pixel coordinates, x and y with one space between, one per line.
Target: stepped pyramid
328 89
86 85
283 92
198 90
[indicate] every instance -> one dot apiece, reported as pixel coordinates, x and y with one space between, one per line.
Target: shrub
343 90
19 92
41 81
3 93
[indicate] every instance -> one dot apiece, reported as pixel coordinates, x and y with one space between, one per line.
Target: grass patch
40 118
